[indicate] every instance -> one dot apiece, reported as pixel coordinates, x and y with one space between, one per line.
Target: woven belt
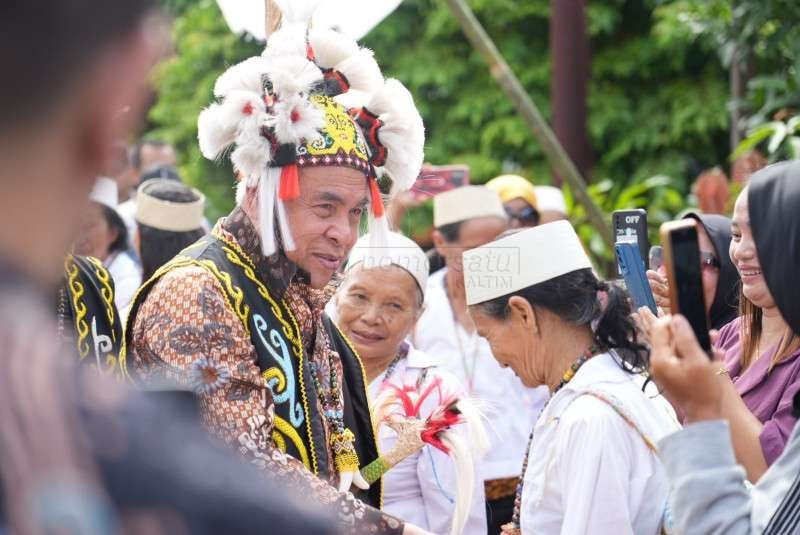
497 489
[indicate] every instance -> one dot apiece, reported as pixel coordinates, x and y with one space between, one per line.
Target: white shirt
509 406
127 278
421 489
590 471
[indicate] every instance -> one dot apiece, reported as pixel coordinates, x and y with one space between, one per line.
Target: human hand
660 287
645 319
683 370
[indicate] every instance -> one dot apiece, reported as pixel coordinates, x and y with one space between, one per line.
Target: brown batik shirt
186 329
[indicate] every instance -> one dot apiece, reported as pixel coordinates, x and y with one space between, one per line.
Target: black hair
573 297
44 66
158 246
114 221
451 231
136 150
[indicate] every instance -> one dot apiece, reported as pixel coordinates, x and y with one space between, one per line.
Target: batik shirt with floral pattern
185 331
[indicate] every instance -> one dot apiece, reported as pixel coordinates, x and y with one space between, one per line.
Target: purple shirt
767 393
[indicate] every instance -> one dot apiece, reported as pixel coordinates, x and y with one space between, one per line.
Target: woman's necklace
513 528
390 369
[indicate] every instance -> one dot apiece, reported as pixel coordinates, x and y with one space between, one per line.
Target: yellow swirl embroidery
286 429
77 290
108 294
275 373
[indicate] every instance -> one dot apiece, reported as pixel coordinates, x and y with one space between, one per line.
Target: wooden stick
511 85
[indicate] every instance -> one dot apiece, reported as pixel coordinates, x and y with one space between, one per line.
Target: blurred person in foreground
169 218
708 484
240 316
466 218
104 236
77 453
551 204
519 199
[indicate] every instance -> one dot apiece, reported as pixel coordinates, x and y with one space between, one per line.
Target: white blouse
589 470
509 406
421 488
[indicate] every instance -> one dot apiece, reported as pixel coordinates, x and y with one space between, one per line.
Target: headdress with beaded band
285 110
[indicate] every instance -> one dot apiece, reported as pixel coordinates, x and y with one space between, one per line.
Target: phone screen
688 289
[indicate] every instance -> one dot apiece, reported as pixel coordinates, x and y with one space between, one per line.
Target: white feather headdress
274 109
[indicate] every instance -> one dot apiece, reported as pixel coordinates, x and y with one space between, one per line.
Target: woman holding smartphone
759 357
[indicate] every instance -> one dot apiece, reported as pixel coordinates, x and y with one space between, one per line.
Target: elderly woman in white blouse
591 465
376 307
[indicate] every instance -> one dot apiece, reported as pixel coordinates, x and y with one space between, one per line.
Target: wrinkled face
472 233
516 340
324 220
710 273
377 308
745 258
96 235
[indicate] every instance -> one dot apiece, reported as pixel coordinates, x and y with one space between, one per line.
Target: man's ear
439 242
522 311
112 97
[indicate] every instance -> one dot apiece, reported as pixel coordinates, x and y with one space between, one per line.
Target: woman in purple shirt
762 358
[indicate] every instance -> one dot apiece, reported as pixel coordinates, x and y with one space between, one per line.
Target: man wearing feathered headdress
239 316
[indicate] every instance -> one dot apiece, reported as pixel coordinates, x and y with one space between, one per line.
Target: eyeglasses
527 215
707 259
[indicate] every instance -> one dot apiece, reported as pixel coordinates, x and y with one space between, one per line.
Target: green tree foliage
184 83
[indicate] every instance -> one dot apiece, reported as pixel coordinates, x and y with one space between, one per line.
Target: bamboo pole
511 85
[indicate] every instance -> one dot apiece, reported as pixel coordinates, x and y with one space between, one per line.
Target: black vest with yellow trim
275 335
87 314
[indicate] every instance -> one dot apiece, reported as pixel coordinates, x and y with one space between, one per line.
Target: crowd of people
278 372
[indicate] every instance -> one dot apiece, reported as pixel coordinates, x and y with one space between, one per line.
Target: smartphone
630 226
631 267
684 275
435 179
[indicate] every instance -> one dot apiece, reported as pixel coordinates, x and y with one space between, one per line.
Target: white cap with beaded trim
399 251
521 260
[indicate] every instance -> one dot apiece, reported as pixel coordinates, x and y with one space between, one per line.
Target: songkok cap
550 199
399 251
168 215
523 259
105 192
465 203
511 187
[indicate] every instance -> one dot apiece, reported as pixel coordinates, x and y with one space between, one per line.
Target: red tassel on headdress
375 198
289 187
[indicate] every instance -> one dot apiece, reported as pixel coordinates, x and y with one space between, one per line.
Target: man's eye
324 209
357 211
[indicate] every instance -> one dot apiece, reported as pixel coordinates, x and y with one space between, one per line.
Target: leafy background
658 105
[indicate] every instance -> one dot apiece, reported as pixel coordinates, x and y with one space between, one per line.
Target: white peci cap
550 199
105 192
398 251
465 203
168 215
522 259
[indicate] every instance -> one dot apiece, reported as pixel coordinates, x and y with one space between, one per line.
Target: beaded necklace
401 354
342 440
514 527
